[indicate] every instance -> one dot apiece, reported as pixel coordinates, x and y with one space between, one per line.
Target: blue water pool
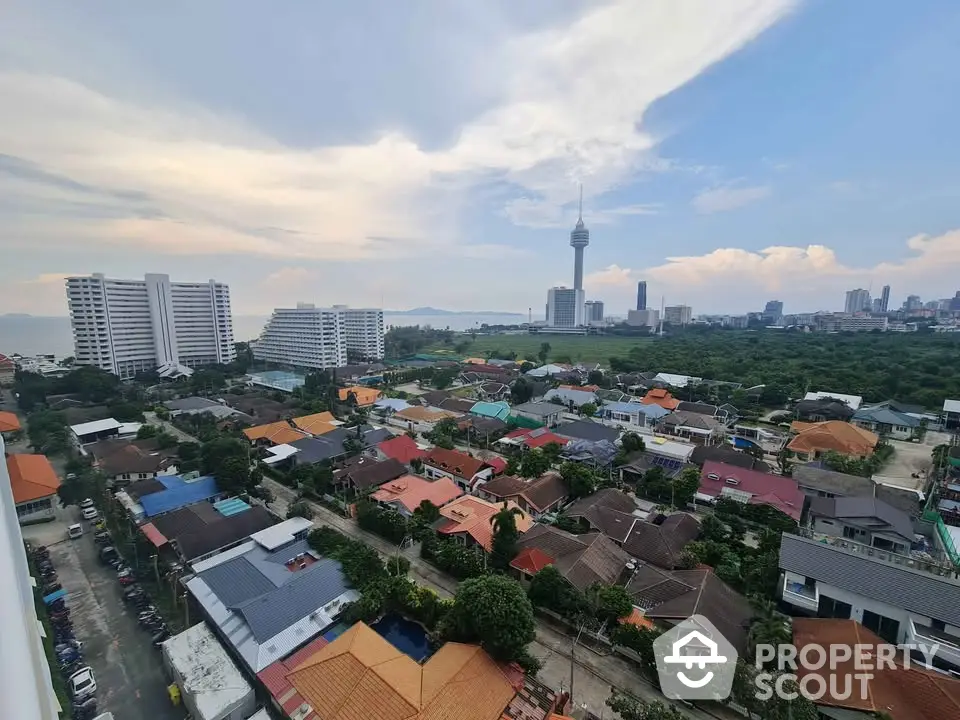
405 635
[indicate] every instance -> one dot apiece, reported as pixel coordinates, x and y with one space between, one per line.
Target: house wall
549 420
897 432
35 511
835 528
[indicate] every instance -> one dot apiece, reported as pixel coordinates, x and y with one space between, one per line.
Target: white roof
131 428
852 401
96 426
207 673
280 452
669 448
261 715
281 533
951 406
676 380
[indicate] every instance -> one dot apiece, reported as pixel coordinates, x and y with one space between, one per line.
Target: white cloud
728 197
571 105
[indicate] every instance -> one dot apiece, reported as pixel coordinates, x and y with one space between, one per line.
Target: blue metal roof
653 411
498 410
230 506
178 494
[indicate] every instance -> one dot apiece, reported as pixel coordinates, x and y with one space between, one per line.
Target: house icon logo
695 661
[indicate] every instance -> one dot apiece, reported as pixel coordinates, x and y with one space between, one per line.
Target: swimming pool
405 635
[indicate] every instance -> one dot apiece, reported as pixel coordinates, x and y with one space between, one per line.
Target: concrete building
773 311
564 307
643 318
912 303
131 326
857 301
678 314
311 337
862 324
885 299
642 295
593 311
26 688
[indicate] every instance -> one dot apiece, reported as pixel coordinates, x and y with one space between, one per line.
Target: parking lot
129 672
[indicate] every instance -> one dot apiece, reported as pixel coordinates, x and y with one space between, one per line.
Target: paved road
152 419
130 678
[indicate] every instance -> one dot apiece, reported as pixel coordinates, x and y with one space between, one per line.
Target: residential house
661 397
885 421
572 398
88 432
175 492
481 430
124 461
199 405
316 424
529 439
404 494
9 422
951 415
497 410
613 396
890 690
270 595
640 463
264 409
275 433
423 419
901 599
853 401
34 484
609 511
389 406
698 428
699 408
814 439
493 391
8 371
823 409
751 487
670 597
538 497
549 370
598 454
542 412
457 405
660 541
587 430
202 529
333 445
361 675
402 447
433 398
465 470
632 413
865 519
469 520
728 456
584 560
670 449
817 482
362 396
676 380
366 474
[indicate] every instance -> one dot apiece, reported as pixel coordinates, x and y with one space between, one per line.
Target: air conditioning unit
301 712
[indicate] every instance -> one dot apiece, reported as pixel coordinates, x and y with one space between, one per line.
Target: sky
430 153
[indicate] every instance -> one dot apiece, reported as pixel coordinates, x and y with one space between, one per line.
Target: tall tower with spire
579 239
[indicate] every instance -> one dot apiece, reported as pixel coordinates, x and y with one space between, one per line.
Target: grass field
579 348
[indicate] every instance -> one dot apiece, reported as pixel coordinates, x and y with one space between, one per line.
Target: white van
75 531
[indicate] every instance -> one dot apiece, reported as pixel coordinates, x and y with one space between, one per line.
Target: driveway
130 678
152 419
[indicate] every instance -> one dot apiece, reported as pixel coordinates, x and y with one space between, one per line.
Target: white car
90 513
84 504
82 684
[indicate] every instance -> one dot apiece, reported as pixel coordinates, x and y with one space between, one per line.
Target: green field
579 348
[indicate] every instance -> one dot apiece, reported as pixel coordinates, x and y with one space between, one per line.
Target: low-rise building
886 421
496 410
465 470
816 482
661 397
275 433
751 487
363 475
8 370
812 440
588 430
632 413
89 432
583 560
852 401
34 484
359 394
528 439
694 427
334 444
402 447
125 461
823 409
660 540
404 494
865 519
200 405
951 414
543 495
9 422
316 424
541 412
203 529
469 520
609 511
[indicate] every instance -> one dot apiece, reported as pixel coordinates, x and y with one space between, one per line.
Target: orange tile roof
364 395
9 422
835 435
531 560
636 617
474 516
361 676
411 490
901 693
660 397
278 433
583 388
316 424
31 477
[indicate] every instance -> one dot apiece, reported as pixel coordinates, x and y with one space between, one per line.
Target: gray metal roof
330 445
237 581
541 409
902 587
588 430
868 512
841 484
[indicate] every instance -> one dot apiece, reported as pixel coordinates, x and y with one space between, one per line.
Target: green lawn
579 348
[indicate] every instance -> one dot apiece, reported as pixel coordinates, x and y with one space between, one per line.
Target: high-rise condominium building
131 326
593 311
310 337
885 299
913 302
564 307
678 314
642 295
858 301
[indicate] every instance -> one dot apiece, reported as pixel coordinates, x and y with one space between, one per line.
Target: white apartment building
565 307
678 314
131 326
26 688
311 337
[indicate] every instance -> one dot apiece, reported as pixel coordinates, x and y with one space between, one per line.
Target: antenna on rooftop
580 212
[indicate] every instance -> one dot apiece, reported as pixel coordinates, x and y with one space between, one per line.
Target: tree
534 463
48 432
629 708
189 456
300 509
609 603
146 431
521 391
549 589
552 451
588 409
581 480
544 352
631 442
767 627
444 378
207 380
494 611
505 536
352 446
164 440
233 475
596 377
685 487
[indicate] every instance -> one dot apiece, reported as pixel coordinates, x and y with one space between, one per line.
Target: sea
36 335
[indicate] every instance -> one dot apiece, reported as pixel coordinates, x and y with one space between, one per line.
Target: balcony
799 594
949 650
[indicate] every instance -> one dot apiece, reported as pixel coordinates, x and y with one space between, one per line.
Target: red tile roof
531 560
402 448
498 464
455 462
537 437
776 491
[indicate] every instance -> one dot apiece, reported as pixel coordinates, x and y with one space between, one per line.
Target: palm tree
505 535
768 626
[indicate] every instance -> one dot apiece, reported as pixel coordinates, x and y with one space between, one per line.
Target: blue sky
429 153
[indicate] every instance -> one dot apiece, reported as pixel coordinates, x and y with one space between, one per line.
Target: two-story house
545 494
865 519
465 470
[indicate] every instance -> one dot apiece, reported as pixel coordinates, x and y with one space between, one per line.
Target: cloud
808 278
728 197
48 279
182 179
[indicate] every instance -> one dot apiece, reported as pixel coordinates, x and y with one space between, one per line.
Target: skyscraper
858 301
773 311
885 298
131 326
642 295
593 311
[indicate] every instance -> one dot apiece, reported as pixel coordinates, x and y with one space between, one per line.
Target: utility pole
573 647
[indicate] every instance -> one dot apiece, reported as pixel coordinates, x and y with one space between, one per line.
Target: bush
300 509
453 558
388 524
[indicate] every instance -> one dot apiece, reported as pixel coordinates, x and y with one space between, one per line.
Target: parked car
87 503
82 683
108 555
90 513
75 531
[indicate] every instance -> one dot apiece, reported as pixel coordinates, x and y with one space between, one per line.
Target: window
849 532
883 626
830 608
938 625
